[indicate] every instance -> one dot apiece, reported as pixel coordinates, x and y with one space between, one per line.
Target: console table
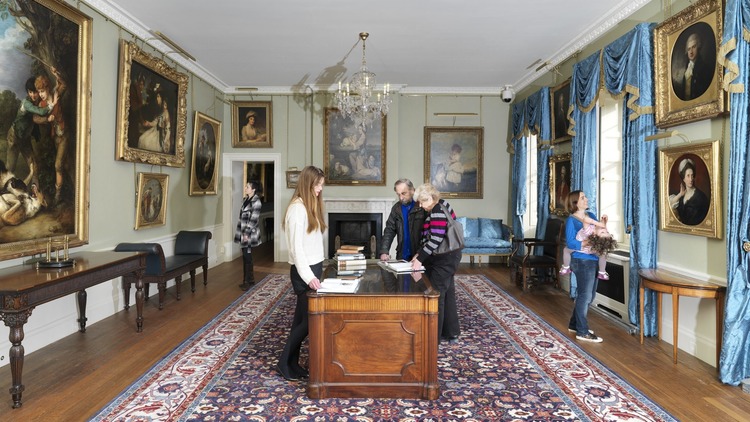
381 341
664 282
24 287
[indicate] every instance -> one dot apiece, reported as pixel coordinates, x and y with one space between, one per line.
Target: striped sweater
433 230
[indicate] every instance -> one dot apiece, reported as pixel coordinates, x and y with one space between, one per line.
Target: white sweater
305 249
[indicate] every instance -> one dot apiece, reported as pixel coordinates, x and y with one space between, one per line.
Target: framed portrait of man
690 190
688 77
559 103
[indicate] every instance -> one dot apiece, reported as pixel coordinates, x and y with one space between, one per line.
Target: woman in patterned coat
247 233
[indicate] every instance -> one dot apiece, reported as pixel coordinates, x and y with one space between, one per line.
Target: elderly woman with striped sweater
439 268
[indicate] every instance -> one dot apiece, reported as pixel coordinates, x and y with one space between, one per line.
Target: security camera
507 94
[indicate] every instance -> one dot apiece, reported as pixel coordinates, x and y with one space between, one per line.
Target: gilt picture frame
688 76
690 190
353 155
292 176
559 183
151 204
453 160
151 109
206 145
559 104
252 124
48 47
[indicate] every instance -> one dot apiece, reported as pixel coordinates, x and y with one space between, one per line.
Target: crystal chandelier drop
359 99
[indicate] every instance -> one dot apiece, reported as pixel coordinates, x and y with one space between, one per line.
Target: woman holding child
584 264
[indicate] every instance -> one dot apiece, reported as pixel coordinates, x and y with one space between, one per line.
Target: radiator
612 295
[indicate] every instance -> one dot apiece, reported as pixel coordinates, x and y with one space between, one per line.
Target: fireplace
364 229
355 221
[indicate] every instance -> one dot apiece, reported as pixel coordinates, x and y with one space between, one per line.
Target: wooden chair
546 265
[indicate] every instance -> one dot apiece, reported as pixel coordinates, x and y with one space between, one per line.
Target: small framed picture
688 77
291 178
690 191
206 142
151 205
560 100
453 160
251 124
559 183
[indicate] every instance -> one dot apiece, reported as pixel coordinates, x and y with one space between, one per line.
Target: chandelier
359 99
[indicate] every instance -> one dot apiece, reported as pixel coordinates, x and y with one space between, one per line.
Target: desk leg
658 315
641 291
82 311
139 297
675 316
719 325
15 322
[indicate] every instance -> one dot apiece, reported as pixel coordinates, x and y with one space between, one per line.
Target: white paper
337 285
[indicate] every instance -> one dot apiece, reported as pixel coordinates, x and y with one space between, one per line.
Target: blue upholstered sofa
486 237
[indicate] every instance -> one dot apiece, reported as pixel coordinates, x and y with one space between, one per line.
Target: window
530 219
610 167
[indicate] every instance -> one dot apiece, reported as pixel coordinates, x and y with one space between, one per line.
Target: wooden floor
72 378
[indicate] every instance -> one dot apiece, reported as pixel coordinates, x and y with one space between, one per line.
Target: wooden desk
23 287
663 282
381 341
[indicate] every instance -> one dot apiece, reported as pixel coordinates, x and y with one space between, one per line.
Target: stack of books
399 266
350 258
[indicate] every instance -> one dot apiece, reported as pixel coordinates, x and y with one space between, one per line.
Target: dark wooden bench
190 252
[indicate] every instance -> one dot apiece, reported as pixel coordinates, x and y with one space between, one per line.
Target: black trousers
441 270
289 359
248 276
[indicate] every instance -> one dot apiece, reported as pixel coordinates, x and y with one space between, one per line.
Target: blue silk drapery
538 116
518 187
628 69
734 361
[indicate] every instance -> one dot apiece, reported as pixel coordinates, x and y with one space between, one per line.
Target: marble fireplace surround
358 206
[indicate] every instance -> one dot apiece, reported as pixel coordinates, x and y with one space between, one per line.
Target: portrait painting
292 176
251 124
559 102
687 73
354 155
206 142
559 183
151 205
453 160
690 193
151 109
263 173
45 114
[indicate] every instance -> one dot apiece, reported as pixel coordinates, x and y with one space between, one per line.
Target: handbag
454 236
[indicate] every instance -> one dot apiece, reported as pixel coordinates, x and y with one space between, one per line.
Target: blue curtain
518 191
627 66
540 124
734 361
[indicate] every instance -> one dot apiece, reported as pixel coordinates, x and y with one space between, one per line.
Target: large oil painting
206 142
453 160
151 109
353 155
44 125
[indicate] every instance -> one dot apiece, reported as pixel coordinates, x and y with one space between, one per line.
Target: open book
339 285
399 266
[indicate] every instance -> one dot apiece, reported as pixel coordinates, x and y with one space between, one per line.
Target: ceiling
417 46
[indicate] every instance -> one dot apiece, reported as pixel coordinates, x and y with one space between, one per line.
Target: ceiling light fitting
173 44
454 114
359 99
668 134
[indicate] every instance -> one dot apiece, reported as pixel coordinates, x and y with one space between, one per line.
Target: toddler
601 242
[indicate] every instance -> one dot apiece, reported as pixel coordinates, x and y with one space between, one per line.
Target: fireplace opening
360 229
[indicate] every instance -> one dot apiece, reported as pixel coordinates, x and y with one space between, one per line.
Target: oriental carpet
508 365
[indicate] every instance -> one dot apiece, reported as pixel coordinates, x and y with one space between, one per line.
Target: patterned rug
508 365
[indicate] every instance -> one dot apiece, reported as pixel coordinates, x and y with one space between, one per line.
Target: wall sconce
666 135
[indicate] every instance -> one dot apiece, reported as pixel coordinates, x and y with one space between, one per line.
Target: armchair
523 259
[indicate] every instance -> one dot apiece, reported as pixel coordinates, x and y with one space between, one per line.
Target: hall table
379 342
661 281
23 287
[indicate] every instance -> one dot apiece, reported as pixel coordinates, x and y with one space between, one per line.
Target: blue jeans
585 271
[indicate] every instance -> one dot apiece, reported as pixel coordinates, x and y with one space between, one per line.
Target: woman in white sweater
304 224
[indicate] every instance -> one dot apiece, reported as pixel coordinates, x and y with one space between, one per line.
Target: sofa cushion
471 226
482 242
491 228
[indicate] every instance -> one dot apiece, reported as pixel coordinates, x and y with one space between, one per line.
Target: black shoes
246 286
450 339
300 372
286 373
